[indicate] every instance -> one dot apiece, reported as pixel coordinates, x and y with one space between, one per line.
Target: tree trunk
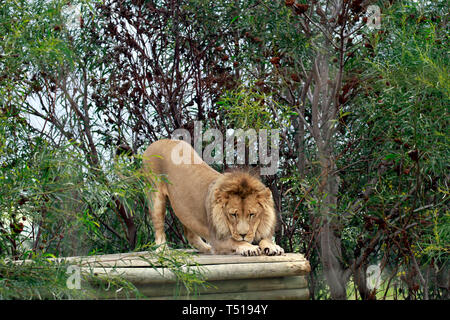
300 143
360 279
329 239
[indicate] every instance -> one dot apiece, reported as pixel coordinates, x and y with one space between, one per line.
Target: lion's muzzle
242 228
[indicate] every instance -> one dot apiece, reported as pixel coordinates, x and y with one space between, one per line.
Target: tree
47 74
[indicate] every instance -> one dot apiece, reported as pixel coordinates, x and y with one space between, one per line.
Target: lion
231 213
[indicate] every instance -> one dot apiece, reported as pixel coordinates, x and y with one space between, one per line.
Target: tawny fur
230 211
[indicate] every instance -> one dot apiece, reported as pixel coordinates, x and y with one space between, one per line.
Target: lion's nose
243 235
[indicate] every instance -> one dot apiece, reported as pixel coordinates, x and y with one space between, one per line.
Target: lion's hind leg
158 213
196 241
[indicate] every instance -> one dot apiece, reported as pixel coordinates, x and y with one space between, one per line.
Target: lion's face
243 209
243 217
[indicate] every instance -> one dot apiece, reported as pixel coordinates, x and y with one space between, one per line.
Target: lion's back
189 174
155 155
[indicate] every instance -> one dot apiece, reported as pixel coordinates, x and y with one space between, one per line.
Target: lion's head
241 208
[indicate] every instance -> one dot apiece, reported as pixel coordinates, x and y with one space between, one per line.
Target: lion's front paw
247 249
271 249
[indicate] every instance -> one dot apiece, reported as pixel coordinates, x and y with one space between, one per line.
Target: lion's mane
243 185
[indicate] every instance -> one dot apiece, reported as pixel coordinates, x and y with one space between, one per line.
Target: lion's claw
273 250
248 250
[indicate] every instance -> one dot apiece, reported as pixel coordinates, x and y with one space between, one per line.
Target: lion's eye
234 215
251 215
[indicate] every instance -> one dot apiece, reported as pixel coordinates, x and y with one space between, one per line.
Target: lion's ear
220 197
265 194
264 197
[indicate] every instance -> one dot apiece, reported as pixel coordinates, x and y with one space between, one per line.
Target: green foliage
39 280
401 124
248 108
43 277
59 197
33 37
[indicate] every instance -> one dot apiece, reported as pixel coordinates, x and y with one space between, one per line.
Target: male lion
230 211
